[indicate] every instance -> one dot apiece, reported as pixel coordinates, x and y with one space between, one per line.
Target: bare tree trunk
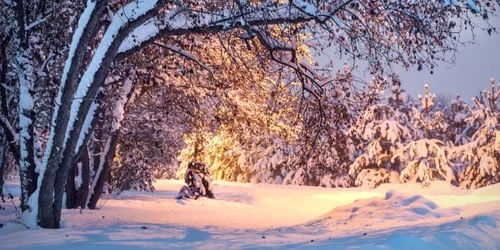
3 74
108 154
104 170
71 191
25 75
5 121
83 191
8 137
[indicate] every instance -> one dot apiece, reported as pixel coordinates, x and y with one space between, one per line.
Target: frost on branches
320 154
264 159
132 172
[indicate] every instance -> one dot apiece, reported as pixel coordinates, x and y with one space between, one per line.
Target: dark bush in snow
198 182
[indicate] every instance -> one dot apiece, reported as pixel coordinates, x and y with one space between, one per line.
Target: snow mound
386 212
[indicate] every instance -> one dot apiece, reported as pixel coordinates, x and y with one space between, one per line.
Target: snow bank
384 212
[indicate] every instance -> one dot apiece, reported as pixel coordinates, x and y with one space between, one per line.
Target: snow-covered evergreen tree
264 160
380 128
459 131
398 97
198 182
425 159
481 160
430 121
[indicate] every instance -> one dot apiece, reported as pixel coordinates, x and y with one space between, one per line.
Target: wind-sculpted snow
388 211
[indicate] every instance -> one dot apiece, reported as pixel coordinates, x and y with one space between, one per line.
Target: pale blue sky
475 65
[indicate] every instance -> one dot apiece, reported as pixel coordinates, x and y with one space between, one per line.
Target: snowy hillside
253 216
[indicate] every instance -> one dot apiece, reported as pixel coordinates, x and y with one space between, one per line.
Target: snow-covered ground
393 216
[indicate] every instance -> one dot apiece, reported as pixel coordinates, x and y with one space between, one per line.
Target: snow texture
78 177
306 7
259 216
473 6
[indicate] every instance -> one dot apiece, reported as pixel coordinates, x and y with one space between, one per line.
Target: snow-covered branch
8 88
185 54
134 12
86 126
179 22
37 22
8 2
49 57
66 87
119 110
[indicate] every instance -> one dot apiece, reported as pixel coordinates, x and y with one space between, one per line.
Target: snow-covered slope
392 216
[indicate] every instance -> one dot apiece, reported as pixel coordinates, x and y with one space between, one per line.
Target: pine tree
426 158
459 131
384 134
481 160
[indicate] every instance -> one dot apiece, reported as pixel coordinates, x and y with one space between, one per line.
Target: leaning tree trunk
81 38
106 161
104 170
76 196
90 83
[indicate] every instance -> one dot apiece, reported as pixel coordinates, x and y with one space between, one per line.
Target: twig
106 200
